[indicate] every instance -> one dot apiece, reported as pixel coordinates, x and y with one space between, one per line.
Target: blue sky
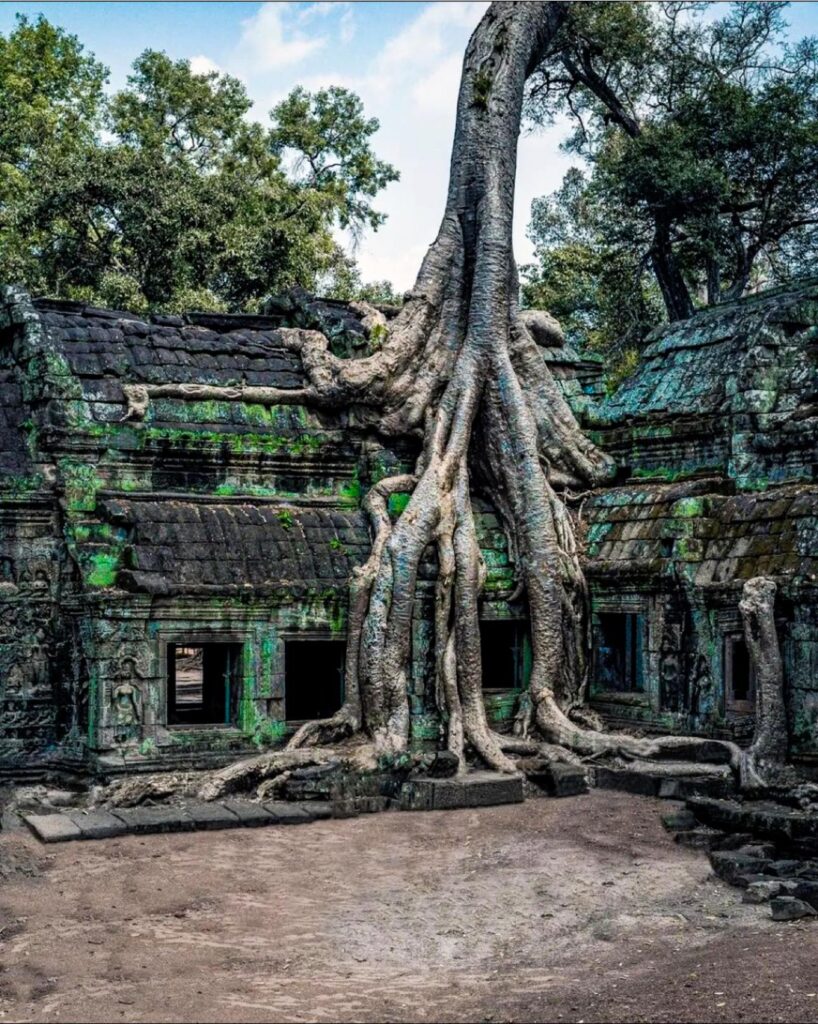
403 59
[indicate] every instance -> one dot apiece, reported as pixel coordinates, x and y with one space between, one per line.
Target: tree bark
757 606
675 292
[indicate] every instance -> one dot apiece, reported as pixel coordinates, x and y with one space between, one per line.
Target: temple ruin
174 570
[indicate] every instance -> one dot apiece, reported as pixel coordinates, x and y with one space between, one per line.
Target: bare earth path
576 910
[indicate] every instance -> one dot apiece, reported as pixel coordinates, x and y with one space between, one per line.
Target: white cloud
270 41
201 65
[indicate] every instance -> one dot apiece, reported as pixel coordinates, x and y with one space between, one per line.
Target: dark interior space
501 648
202 683
314 678
739 685
618 643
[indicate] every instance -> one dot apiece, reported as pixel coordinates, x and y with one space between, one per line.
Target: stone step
475 789
644 782
188 817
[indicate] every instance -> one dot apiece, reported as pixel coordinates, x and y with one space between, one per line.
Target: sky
403 60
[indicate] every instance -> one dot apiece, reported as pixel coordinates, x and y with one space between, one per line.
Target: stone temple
173 579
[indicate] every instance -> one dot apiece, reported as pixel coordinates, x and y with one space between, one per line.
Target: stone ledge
476 789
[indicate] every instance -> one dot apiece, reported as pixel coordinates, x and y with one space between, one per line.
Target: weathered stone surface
734 867
476 789
484 789
211 815
443 765
788 908
761 891
806 891
154 819
284 813
98 824
248 813
681 820
627 781
52 828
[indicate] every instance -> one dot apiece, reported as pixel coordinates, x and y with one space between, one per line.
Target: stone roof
178 545
717 538
690 366
106 348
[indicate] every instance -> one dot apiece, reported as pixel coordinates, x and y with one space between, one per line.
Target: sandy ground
555 910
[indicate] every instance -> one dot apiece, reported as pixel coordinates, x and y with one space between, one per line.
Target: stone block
287 814
447 794
734 867
52 828
154 819
487 789
788 908
626 781
682 820
699 838
568 780
761 891
320 809
211 816
98 824
249 814
417 795
807 891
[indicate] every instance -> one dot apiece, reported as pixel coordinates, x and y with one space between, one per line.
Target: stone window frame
729 626
192 638
627 604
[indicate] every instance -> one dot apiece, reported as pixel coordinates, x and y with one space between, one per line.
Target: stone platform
477 789
187 817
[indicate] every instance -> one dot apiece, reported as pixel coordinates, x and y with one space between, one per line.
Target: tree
588 277
461 371
702 138
184 201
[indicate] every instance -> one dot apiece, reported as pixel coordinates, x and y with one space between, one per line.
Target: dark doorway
739 681
618 652
313 678
203 683
502 648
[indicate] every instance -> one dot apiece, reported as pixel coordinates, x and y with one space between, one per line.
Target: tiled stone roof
181 546
716 538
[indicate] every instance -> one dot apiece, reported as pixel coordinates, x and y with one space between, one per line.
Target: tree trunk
675 293
757 606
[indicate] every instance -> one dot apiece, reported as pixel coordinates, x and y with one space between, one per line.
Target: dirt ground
554 910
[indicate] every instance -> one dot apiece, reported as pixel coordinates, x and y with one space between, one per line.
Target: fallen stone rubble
767 847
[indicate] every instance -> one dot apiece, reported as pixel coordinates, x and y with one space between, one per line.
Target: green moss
103 571
285 517
397 503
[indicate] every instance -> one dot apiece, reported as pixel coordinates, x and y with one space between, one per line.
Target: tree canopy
167 194
699 131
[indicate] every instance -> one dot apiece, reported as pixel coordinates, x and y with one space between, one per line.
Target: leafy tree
584 274
701 136
167 195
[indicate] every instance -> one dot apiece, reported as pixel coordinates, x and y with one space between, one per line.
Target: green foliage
165 195
285 517
701 137
594 287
